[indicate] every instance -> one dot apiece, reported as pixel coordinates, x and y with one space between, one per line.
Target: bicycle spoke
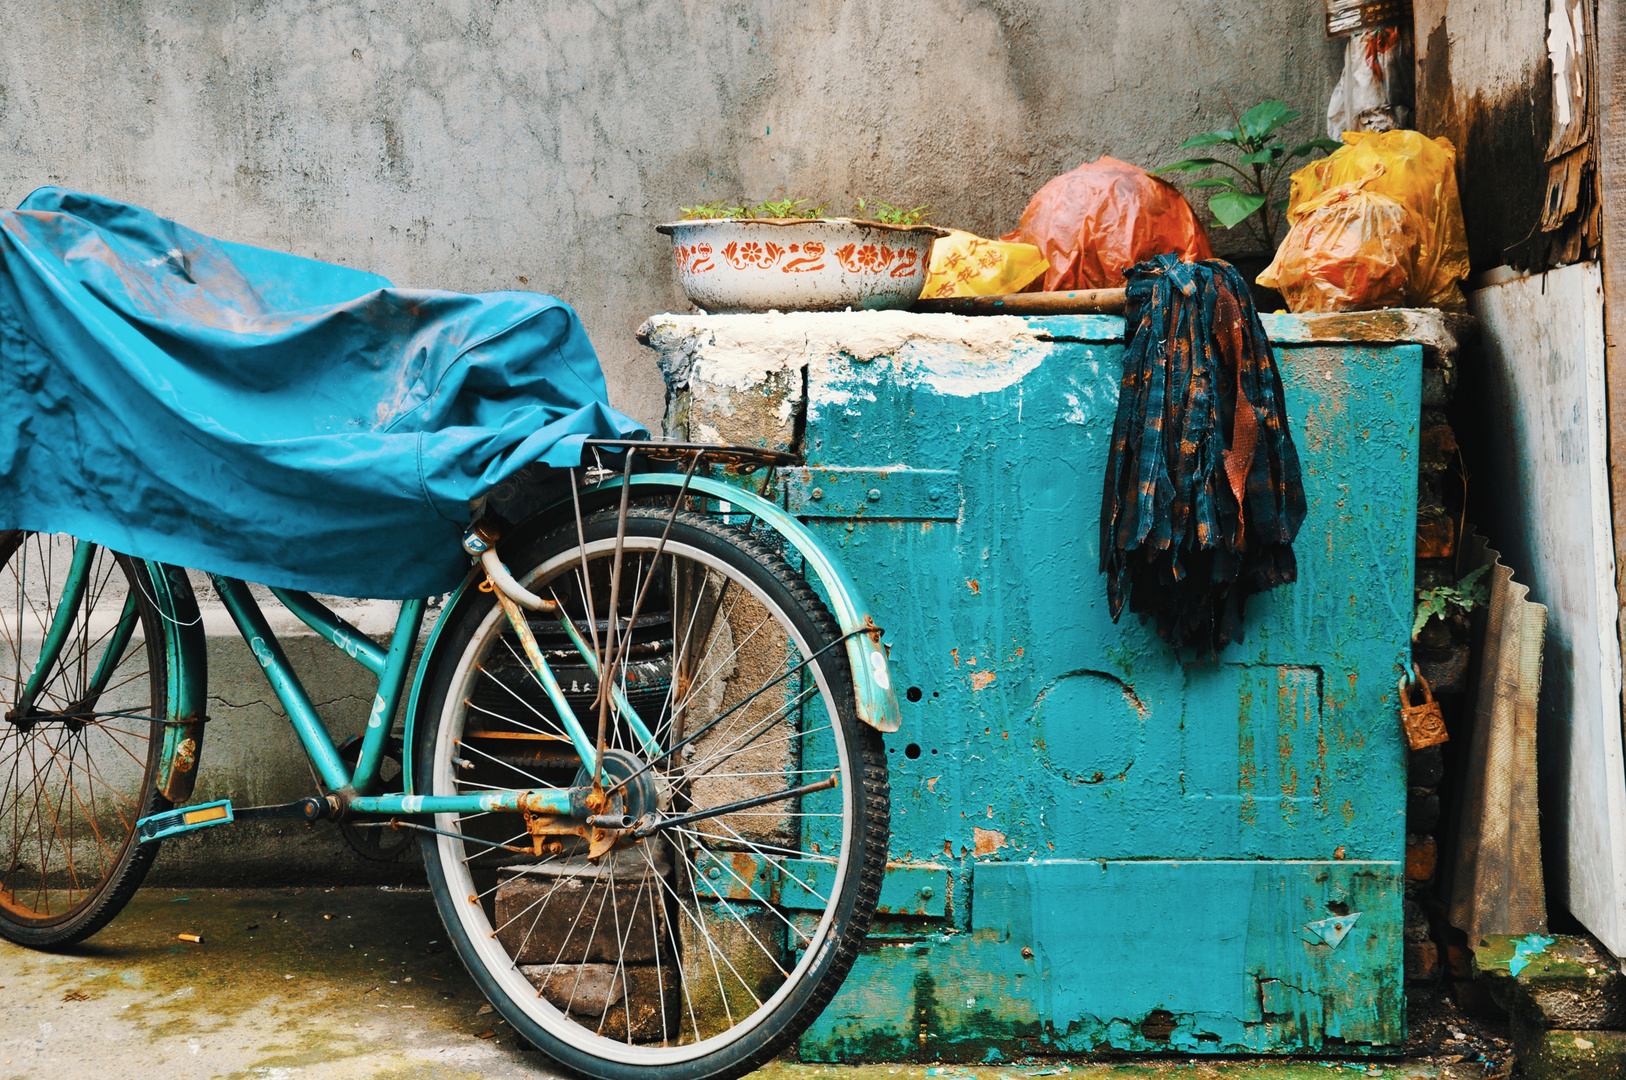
75 771
687 938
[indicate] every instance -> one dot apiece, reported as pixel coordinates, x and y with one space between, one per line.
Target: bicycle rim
669 951
77 766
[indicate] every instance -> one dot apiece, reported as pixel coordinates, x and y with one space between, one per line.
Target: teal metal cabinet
1096 843
1134 851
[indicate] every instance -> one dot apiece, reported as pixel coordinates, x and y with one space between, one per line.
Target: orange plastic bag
1420 174
1103 217
964 264
1349 250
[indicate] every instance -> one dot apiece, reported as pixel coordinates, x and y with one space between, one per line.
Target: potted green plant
785 255
1249 197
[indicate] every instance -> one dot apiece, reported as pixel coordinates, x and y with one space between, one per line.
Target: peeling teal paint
1202 856
1525 949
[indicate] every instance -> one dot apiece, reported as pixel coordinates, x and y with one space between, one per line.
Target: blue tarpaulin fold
266 416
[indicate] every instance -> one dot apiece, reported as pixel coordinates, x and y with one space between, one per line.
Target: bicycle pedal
184 819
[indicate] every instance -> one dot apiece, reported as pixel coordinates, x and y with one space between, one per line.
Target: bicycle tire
28 894
822 961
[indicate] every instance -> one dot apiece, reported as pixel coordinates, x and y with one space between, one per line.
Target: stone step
1569 983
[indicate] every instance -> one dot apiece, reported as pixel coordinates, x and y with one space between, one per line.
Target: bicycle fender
187 680
409 726
872 682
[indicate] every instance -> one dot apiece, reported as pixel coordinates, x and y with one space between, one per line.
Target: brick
1437 387
1422 961
1446 671
1459 961
562 912
1425 767
1475 1000
1416 921
1436 534
1421 856
1437 446
601 996
1422 809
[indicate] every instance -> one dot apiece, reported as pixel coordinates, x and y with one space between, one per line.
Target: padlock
1424 723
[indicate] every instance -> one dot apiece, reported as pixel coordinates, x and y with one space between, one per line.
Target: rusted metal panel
1168 830
1035 729
1235 957
897 493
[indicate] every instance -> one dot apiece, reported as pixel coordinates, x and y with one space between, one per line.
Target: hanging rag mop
1203 495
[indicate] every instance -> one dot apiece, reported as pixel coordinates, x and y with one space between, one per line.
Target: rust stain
980 679
987 841
1290 772
931 785
956 654
973 586
744 865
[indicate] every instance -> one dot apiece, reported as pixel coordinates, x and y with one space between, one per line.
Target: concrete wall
532 145
477 144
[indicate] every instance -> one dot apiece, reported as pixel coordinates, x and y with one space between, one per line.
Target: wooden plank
1076 302
1609 151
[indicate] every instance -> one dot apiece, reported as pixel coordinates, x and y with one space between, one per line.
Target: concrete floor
313 984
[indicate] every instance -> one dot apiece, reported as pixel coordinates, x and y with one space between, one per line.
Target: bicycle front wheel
707 947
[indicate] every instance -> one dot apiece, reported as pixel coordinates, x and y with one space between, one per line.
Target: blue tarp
265 416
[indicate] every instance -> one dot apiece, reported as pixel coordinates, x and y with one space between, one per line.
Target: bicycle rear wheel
708 947
79 738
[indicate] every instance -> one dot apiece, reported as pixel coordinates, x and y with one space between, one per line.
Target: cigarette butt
198 938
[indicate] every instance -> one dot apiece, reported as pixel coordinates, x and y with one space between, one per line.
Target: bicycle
645 768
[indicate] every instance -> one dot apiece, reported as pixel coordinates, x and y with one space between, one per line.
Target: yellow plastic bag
1420 174
964 264
1349 250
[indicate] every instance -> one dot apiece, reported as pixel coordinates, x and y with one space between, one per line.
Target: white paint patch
877 670
951 354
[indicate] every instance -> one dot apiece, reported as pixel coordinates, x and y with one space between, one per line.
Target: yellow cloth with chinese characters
964 264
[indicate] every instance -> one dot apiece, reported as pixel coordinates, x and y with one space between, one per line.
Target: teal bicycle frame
357 788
